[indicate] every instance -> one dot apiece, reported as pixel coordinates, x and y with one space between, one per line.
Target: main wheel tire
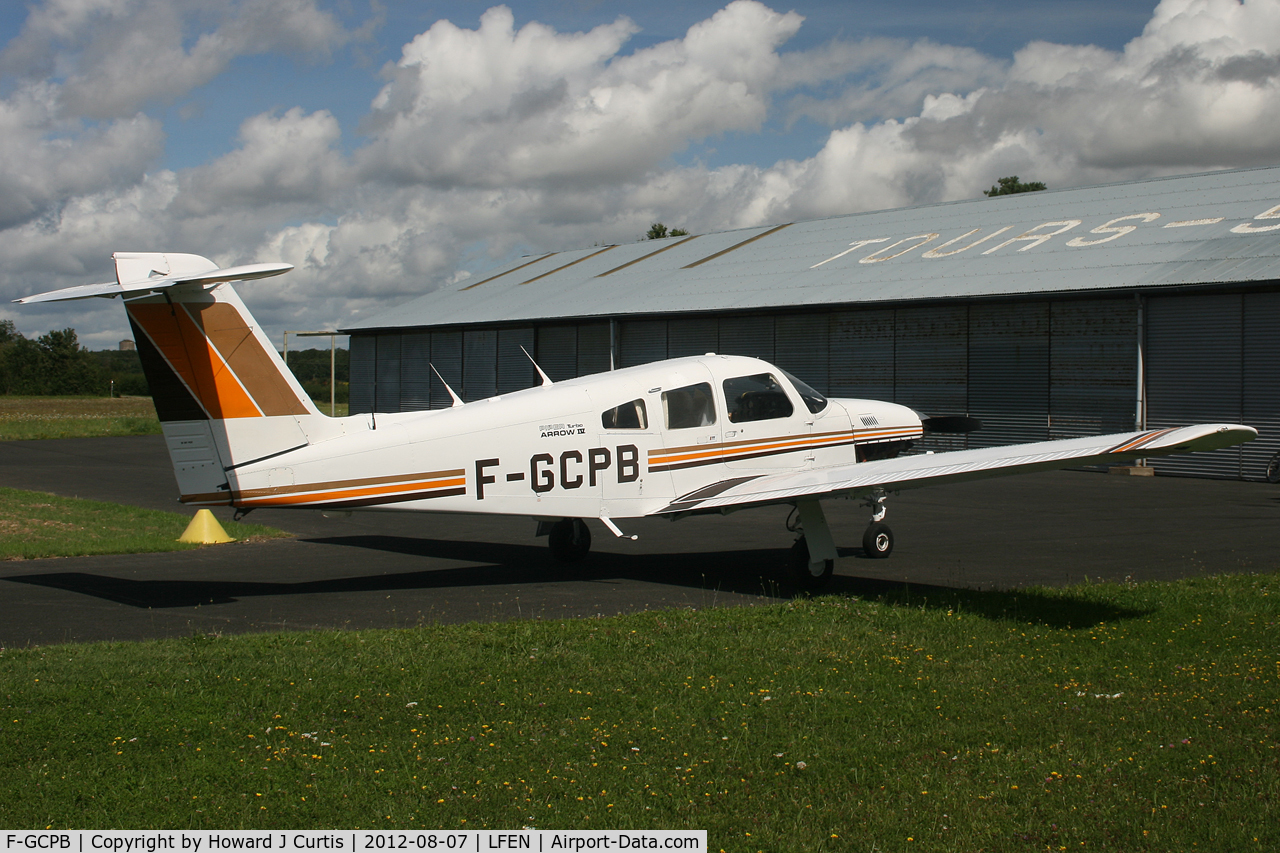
570 540
877 542
1273 469
803 572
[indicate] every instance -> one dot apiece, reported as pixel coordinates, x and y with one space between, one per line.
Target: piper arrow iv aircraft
708 434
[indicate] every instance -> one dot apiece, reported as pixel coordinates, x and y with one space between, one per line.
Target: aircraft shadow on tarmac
752 573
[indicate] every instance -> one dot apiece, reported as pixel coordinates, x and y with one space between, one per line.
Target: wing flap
911 472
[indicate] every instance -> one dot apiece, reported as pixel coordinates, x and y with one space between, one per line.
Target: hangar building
1047 315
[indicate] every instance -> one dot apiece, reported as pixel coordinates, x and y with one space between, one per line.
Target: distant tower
127 346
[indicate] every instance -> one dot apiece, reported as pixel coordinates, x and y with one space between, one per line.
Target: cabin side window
756 398
690 406
627 416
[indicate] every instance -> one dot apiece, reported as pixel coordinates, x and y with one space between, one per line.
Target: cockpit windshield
813 400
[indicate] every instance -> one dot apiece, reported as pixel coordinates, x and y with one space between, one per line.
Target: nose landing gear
877 541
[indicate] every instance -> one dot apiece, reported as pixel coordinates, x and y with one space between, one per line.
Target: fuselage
618 444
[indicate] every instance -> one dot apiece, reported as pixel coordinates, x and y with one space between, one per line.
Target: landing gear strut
813 556
877 541
570 540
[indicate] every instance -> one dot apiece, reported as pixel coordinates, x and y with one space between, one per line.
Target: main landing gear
813 555
569 538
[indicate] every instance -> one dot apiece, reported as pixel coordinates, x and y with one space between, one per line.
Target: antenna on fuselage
546 380
457 401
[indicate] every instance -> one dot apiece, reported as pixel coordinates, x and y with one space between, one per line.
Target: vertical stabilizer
223 394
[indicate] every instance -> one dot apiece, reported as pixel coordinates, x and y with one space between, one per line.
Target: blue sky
389 148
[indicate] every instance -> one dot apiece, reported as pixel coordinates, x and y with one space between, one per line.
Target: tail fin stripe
244 354
184 345
161 332
173 399
216 376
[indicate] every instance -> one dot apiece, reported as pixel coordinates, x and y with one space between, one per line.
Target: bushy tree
311 367
53 363
1011 185
657 231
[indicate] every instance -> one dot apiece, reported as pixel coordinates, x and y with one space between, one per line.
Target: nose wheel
877 542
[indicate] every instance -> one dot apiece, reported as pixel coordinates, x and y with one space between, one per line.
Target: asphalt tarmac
388 569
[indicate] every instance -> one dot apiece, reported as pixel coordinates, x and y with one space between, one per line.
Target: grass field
1099 717
87 417
36 524
75 417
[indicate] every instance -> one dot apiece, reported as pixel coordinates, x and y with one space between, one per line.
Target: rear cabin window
690 406
756 398
627 416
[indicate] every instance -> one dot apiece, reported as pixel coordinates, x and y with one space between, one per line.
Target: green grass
1115 717
88 417
75 417
36 524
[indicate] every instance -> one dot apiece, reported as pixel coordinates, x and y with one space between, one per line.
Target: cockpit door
765 428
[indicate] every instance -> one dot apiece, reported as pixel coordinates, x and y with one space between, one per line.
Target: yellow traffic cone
205 530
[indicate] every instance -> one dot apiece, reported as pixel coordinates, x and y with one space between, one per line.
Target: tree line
53 364
56 364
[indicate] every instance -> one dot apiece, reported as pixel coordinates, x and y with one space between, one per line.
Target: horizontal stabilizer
158 280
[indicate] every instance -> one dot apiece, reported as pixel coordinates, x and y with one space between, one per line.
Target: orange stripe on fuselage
727 451
351 493
197 362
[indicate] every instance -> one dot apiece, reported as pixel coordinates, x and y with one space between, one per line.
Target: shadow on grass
754 573
1034 607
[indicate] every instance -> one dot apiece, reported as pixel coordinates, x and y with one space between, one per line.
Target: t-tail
224 397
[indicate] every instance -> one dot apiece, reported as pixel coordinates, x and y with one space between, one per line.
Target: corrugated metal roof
1196 229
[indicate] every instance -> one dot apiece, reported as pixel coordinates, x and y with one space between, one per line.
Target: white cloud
499 106
1198 90
288 159
113 57
45 161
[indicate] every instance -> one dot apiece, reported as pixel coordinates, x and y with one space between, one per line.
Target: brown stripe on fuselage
750 442
351 484
365 495
692 456
695 455
257 370
400 498
211 498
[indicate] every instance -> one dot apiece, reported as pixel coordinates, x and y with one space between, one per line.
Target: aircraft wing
910 472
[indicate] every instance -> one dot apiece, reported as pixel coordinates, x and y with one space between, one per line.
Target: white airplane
707 434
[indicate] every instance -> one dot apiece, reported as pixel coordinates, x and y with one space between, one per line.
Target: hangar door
1215 358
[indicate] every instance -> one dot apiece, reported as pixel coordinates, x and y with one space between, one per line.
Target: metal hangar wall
1047 315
